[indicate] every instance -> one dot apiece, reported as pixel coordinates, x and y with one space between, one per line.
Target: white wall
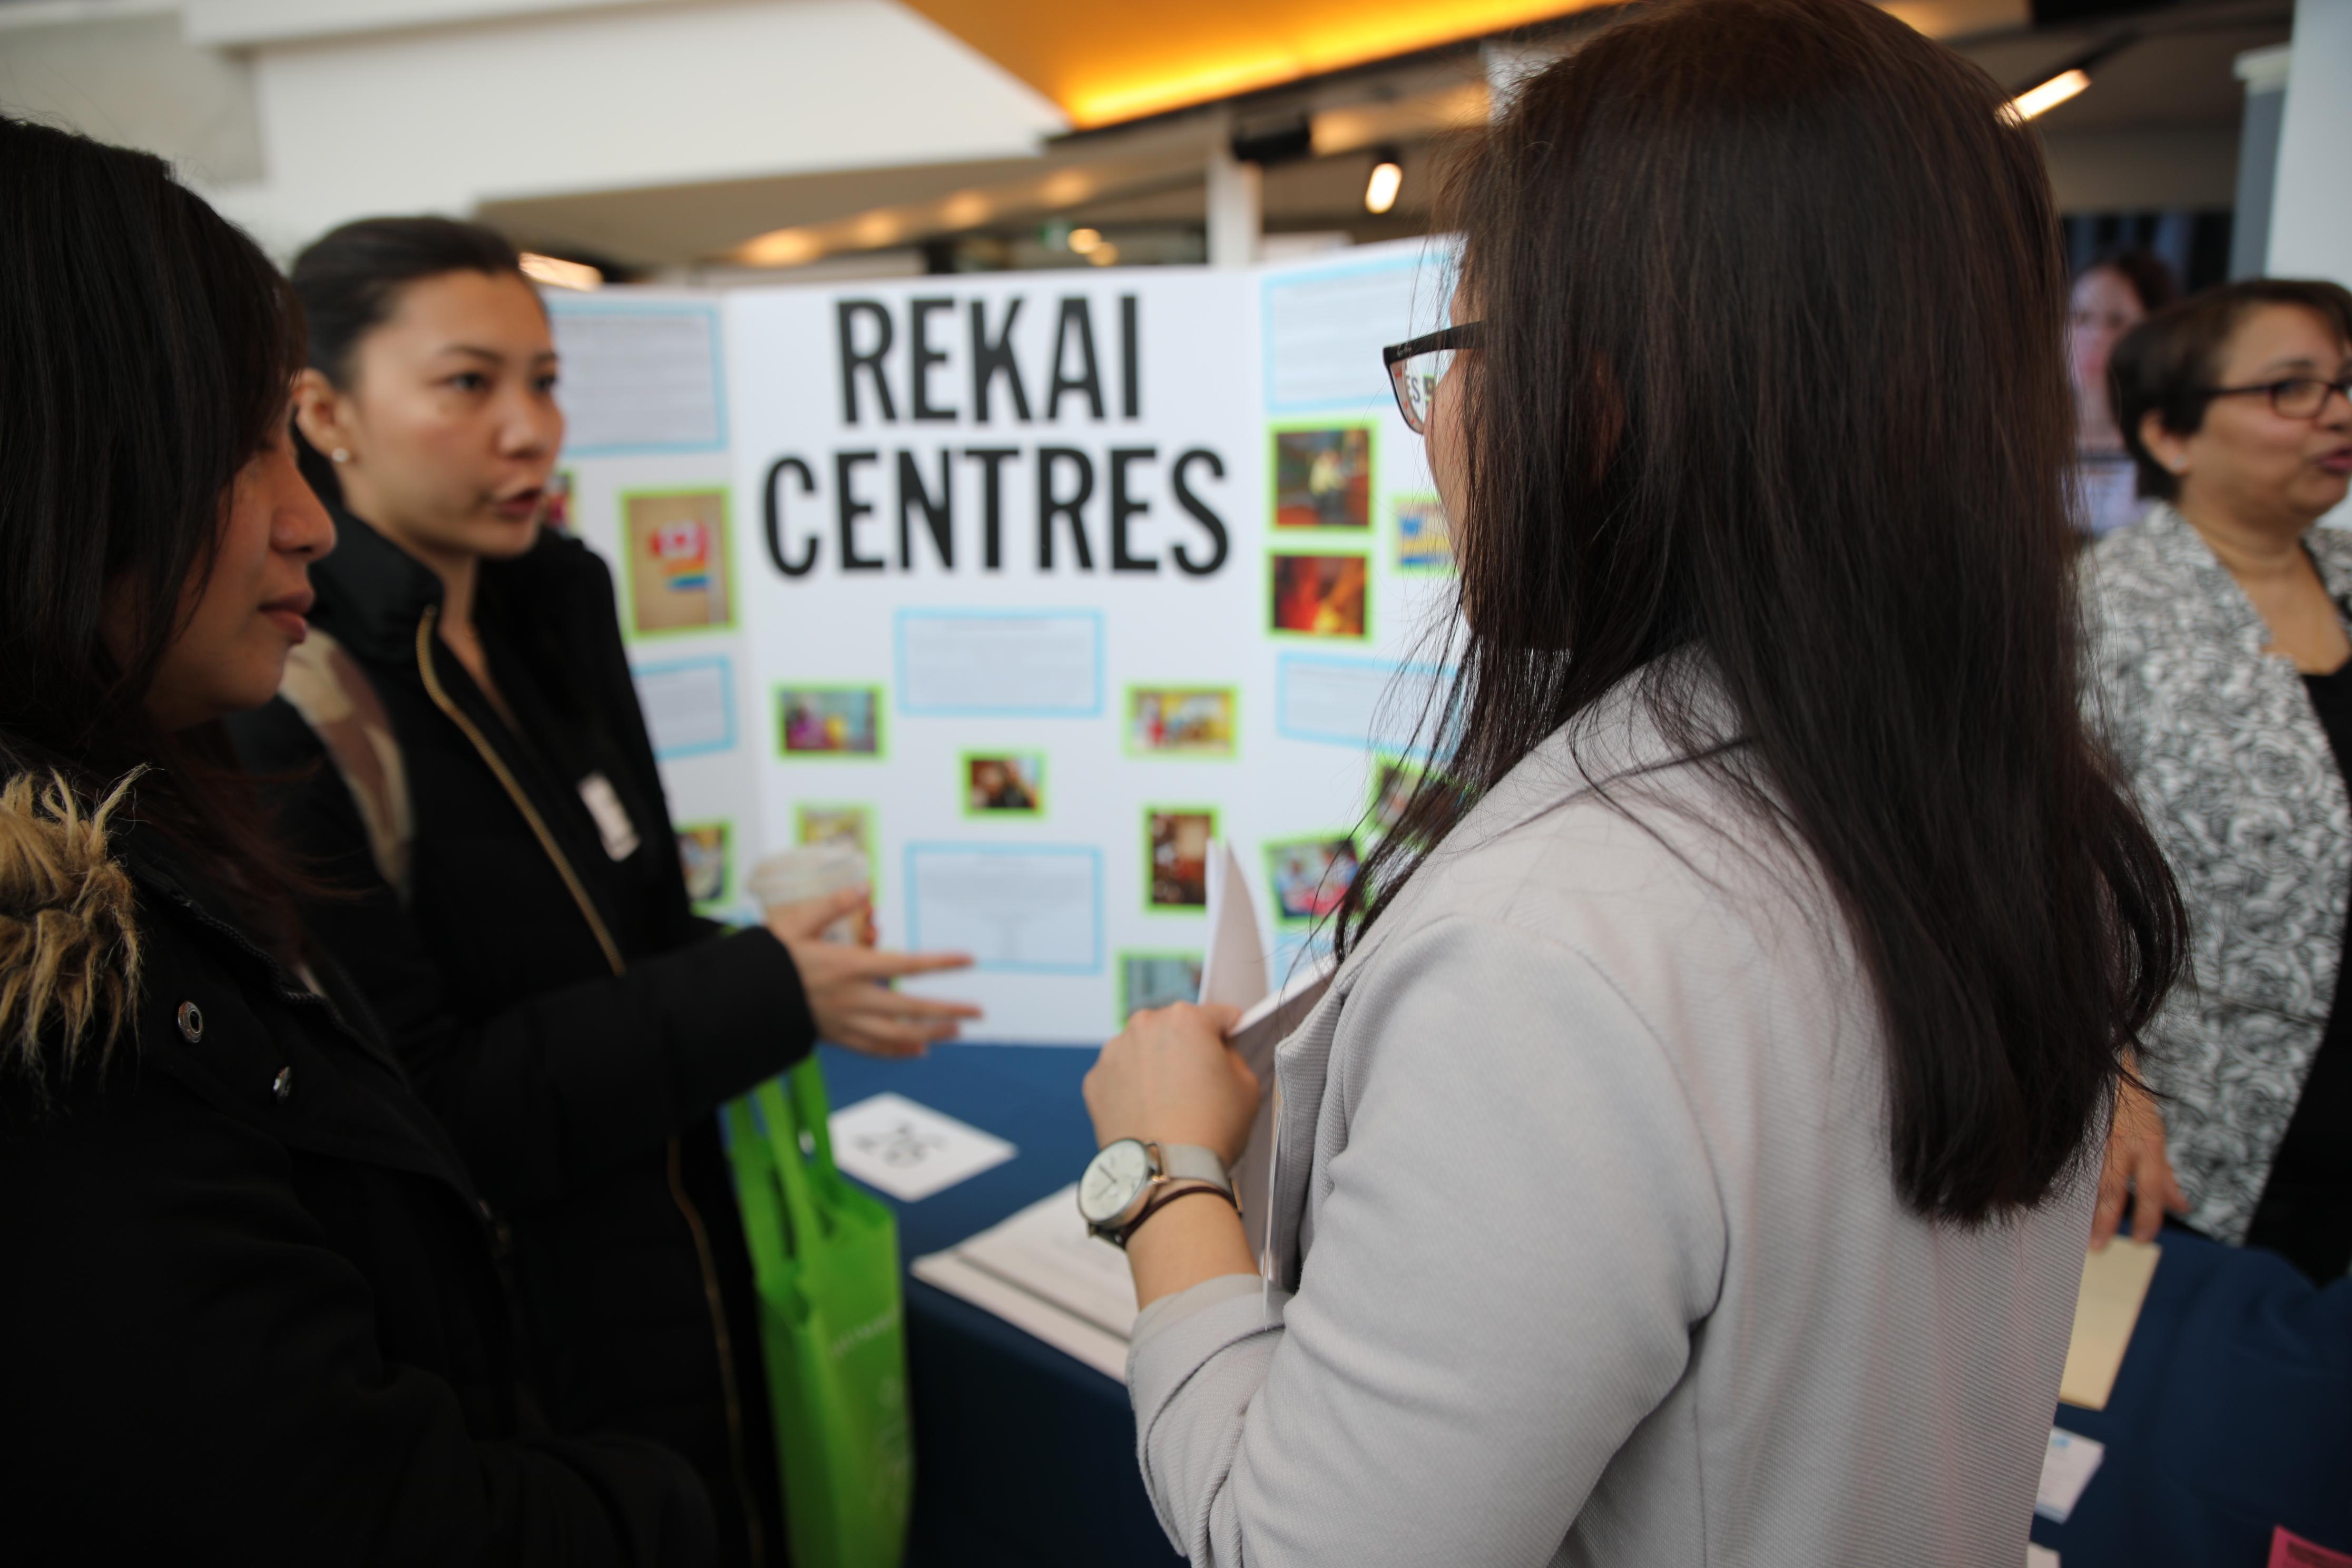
2311 220
438 119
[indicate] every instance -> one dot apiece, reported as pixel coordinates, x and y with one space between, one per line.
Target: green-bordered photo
1183 722
1321 596
814 721
1309 877
707 853
1003 784
849 823
1424 539
1322 476
1157 980
675 563
1176 857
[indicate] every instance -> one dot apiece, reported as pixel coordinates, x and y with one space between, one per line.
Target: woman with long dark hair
1693 1158
253 1307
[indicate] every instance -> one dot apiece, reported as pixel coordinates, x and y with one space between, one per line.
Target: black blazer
251 1300
582 1099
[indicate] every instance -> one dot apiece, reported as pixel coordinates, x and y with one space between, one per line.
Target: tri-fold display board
1028 586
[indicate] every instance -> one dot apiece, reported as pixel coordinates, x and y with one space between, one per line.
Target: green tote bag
824 1257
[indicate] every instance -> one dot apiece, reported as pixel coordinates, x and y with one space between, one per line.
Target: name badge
612 821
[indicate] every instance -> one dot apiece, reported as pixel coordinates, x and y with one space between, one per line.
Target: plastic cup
812 871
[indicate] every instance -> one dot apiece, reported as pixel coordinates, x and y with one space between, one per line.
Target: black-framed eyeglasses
1415 368
2296 397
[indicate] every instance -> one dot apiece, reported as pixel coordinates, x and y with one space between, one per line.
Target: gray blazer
1584 1243
2234 772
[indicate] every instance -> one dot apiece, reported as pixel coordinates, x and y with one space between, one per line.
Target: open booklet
1040 1270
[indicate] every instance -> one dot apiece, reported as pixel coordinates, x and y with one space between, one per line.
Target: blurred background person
525 932
2110 298
254 1314
2221 642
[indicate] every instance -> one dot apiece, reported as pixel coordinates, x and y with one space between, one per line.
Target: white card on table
2067 1467
909 1151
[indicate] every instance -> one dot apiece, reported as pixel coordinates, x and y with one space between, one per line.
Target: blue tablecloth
2231 1415
1024 1456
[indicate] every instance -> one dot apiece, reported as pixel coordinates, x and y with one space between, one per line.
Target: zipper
722 1340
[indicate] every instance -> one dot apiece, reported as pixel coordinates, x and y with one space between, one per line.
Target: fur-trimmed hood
70 949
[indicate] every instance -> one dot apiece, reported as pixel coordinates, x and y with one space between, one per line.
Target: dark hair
2143 271
1772 370
350 281
149 350
2165 365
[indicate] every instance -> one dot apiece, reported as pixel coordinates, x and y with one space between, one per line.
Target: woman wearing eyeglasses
1688 1162
2222 654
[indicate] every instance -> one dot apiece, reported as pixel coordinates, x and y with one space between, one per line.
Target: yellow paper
2115 1283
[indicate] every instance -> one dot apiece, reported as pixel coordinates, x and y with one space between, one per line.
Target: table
2231 1413
1024 1457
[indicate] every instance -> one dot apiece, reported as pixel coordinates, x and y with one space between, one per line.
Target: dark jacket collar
371 592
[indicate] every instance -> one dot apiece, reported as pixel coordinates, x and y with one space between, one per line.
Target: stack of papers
1041 1270
2115 1283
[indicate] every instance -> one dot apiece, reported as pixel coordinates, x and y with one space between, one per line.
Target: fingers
884 1037
888 964
2114 1189
2148 1215
804 920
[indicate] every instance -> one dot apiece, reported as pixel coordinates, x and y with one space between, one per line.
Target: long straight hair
147 349
1772 369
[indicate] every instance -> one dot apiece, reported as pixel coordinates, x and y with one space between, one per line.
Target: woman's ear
321 413
2168 448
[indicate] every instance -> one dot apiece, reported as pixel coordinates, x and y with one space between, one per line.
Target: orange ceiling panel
1108 60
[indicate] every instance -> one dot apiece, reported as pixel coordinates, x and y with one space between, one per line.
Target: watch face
1113 1180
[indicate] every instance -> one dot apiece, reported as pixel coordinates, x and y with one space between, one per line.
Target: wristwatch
1130 1179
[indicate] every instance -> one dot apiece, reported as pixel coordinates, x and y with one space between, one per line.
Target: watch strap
1167 1194
1190 1162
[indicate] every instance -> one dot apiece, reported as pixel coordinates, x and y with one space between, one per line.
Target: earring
340 454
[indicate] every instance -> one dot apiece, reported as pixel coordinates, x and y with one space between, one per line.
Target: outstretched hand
849 985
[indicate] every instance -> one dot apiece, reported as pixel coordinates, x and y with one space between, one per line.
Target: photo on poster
704 851
1157 980
555 505
1309 876
1425 542
1320 596
1003 784
841 823
1323 477
1183 721
1393 781
676 545
1176 856
829 721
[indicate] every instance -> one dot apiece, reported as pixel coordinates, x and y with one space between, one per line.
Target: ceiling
1104 62
2172 77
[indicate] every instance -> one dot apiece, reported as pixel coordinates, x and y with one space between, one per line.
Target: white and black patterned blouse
2233 769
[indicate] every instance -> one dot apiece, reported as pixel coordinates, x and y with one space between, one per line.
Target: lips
290 614
2339 461
521 506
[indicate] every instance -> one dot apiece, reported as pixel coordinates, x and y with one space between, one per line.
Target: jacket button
282 1088
191 1019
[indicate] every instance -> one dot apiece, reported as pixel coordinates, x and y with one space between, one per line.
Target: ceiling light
781 247
1388 178
1084 240
1103 254
2041 99
561 274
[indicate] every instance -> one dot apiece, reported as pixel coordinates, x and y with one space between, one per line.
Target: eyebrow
493 355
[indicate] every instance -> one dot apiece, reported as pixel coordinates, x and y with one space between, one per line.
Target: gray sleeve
1517 1237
